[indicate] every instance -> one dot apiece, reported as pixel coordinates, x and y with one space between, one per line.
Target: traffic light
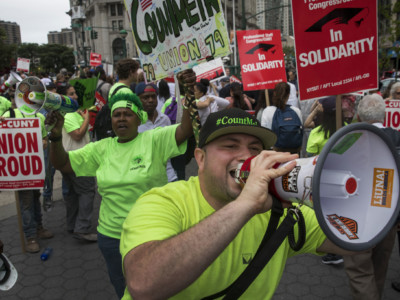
93 34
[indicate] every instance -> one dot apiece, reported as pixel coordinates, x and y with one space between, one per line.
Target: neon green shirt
165 212
5 104
124 90
73 121
125 171
316 141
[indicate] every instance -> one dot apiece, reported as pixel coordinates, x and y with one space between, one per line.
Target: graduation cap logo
340 16
261 47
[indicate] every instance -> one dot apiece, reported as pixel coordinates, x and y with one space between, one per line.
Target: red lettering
32 141
396 119
25 168
20 144
3 167
3 144
12 166
10 144
36 165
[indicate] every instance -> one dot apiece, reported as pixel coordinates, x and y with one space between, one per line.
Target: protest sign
336 46
21 154
95 59
211 70
23 64
85 89
174 35
392 118
233 78
261 58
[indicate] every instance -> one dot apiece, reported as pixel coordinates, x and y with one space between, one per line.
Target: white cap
8 274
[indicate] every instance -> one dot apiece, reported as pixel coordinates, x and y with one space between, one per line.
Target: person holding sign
31 211
125 166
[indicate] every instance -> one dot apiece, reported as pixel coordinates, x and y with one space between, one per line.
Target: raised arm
79 133
185 129
161 269
58 156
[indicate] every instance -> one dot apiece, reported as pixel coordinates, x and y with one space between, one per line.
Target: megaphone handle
49 127
296 213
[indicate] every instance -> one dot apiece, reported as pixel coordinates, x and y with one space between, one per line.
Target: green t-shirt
168 211
316 141
124 90
19 115
125 171
72 121
5 104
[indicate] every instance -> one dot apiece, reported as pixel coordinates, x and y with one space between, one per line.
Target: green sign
88 28
76 25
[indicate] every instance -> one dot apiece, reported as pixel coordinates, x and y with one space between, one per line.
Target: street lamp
123 34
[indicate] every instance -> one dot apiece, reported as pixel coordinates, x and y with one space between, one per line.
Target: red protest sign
261 58
392 118
336 46
21 155
95 59
211 70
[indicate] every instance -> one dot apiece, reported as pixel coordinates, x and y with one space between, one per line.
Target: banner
21 154
23 64
211 70
392 118
85 89
174 35
95 59
336 46
261 59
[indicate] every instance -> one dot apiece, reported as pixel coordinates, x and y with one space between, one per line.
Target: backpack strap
273 238
99 87
117 89
12 112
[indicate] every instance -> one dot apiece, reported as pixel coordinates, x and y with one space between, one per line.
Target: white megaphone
31 96
353 186
12 79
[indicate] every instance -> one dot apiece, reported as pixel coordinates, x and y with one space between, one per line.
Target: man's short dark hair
125 67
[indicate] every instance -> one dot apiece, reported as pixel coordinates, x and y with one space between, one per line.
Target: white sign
23 64
211 70
175 35
21 154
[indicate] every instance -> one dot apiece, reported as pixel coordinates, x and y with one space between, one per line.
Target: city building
13 32
103 27
65 37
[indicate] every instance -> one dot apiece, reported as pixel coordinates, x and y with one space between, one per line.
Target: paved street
76 270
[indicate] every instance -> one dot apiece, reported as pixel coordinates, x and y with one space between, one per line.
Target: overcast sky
36 17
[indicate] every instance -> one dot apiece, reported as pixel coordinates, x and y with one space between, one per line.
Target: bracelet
55 139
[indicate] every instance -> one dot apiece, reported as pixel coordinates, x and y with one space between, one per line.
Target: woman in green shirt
125 166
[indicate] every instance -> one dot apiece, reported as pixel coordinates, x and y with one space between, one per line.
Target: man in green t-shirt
192 239
126 70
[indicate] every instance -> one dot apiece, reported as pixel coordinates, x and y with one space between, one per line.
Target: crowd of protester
150 146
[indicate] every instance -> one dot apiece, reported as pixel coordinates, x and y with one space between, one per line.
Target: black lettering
192 19
144 46
210 4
